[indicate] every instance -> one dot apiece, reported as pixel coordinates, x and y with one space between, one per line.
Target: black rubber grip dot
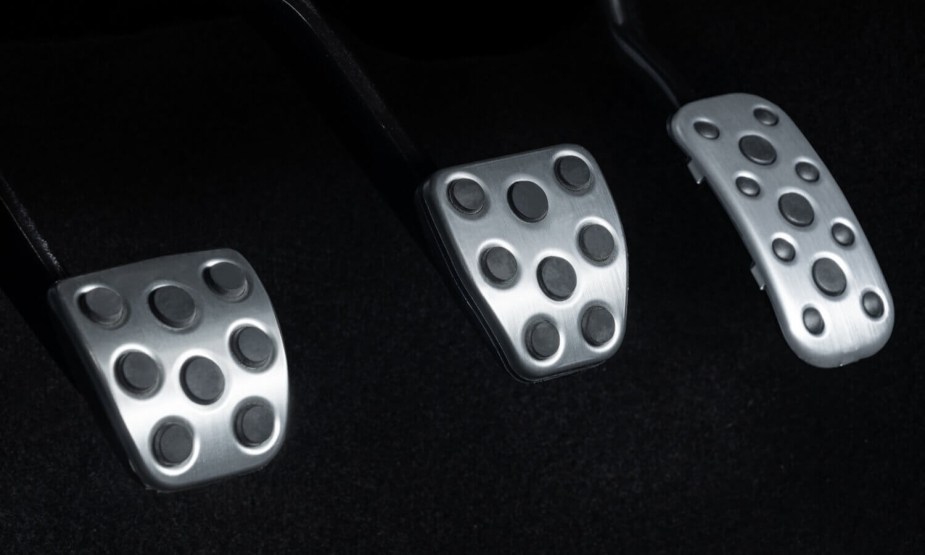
706 129
765 116
796 209
597 325
596 242
173 306
542 340
499 265
873 304
557 278
807 172
813 321
748 186
829 277
173 444
103 306
528 201
138 373
227 279
783 250
202 380
842 234
466 196
254 424
252 347
573 173
758 149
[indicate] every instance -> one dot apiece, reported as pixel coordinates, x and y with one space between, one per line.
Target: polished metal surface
513 310
143 419
825 325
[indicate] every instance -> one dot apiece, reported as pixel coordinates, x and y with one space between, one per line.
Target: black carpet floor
704 433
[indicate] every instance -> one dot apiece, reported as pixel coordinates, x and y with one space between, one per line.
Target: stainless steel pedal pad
809 250
186 354
535 243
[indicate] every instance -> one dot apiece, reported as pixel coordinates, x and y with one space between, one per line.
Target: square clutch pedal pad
809 251
187 357
535 244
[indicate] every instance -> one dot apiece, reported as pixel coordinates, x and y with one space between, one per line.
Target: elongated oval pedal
535 244
810 253
187 357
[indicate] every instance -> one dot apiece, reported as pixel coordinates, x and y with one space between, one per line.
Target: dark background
133 131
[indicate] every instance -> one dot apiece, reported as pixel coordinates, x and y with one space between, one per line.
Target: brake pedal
535 243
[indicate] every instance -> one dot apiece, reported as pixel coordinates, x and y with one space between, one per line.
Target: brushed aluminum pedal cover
535 244
810 253
187 356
